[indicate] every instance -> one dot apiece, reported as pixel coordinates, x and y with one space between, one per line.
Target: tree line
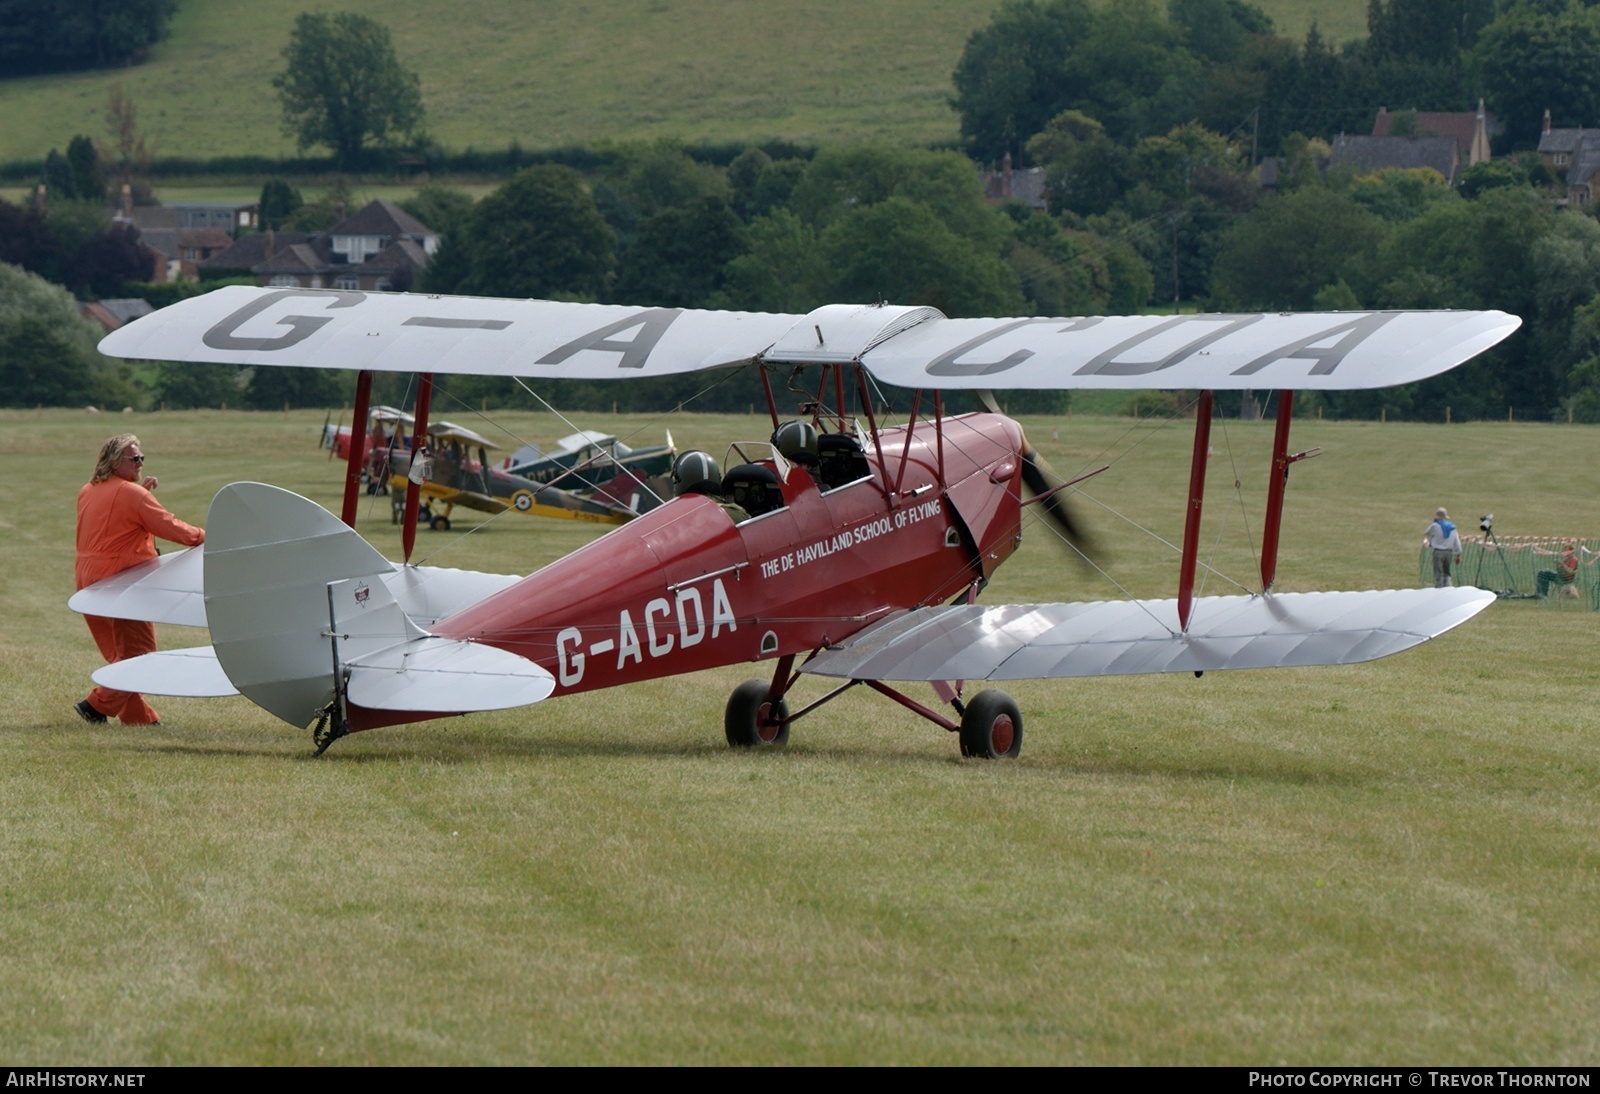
1140 72
38 36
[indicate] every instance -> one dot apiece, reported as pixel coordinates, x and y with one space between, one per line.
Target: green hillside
566 72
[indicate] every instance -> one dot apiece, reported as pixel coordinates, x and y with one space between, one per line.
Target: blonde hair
111 454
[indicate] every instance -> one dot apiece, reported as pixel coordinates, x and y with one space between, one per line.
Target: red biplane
839 549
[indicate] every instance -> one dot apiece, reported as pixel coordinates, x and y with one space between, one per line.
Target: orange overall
117 521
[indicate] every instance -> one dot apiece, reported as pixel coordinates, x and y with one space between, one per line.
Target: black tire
753 722
440 524
424 515
991 729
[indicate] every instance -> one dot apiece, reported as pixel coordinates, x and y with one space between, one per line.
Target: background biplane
839 547
589 459
455 469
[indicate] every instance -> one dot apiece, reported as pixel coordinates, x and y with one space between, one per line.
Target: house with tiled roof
1471 130
1369 154
381 247
1574 155
248 252
112 314
182 236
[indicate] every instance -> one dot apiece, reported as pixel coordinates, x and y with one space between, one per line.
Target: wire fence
1528 567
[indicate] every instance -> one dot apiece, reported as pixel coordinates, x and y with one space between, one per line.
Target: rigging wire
1035 519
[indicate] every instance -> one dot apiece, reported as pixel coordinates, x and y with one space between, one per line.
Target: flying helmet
695 473
797 441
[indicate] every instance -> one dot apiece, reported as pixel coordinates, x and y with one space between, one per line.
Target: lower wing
1112 638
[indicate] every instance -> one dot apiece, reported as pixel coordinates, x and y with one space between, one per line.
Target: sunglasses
135 459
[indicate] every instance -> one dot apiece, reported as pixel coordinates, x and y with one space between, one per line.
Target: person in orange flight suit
118 519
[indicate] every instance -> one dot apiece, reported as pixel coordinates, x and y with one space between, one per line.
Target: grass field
1394 862
564 72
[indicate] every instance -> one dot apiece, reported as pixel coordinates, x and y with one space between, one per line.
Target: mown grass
568 73
1393 862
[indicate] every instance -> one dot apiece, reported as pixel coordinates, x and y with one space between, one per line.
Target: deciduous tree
131 155
87 171
47 351
1531 59
899 249
343 86
678 256
279 201
539 235
1291 247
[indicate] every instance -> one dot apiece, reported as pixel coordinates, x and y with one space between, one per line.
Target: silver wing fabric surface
167 589
1112 638
170 589
193 672
906 346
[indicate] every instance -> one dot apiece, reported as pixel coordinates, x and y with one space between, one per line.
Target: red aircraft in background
838 547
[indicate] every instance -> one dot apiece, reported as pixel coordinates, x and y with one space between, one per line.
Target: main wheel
991 729
752 720
440 524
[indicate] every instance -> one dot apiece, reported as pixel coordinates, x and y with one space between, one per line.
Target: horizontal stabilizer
430 673
429 593
1111 638
392 664
168 589
192 673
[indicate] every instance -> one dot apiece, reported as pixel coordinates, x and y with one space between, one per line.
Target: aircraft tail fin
270 558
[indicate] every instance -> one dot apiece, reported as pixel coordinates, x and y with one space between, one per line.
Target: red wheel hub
1002 734
767 727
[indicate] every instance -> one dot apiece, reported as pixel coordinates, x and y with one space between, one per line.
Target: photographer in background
1441 538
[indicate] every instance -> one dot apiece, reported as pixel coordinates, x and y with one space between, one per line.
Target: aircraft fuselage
685 588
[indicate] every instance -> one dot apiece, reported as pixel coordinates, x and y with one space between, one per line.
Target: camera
1486 522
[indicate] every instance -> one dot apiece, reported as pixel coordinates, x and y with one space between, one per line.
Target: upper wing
400 332
1114 638
907 346
1306 352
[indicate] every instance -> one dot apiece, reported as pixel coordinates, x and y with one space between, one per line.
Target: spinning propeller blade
1041 479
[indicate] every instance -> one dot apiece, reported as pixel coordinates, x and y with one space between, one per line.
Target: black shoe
89 714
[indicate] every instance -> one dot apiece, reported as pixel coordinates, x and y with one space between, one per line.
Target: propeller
1044 483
